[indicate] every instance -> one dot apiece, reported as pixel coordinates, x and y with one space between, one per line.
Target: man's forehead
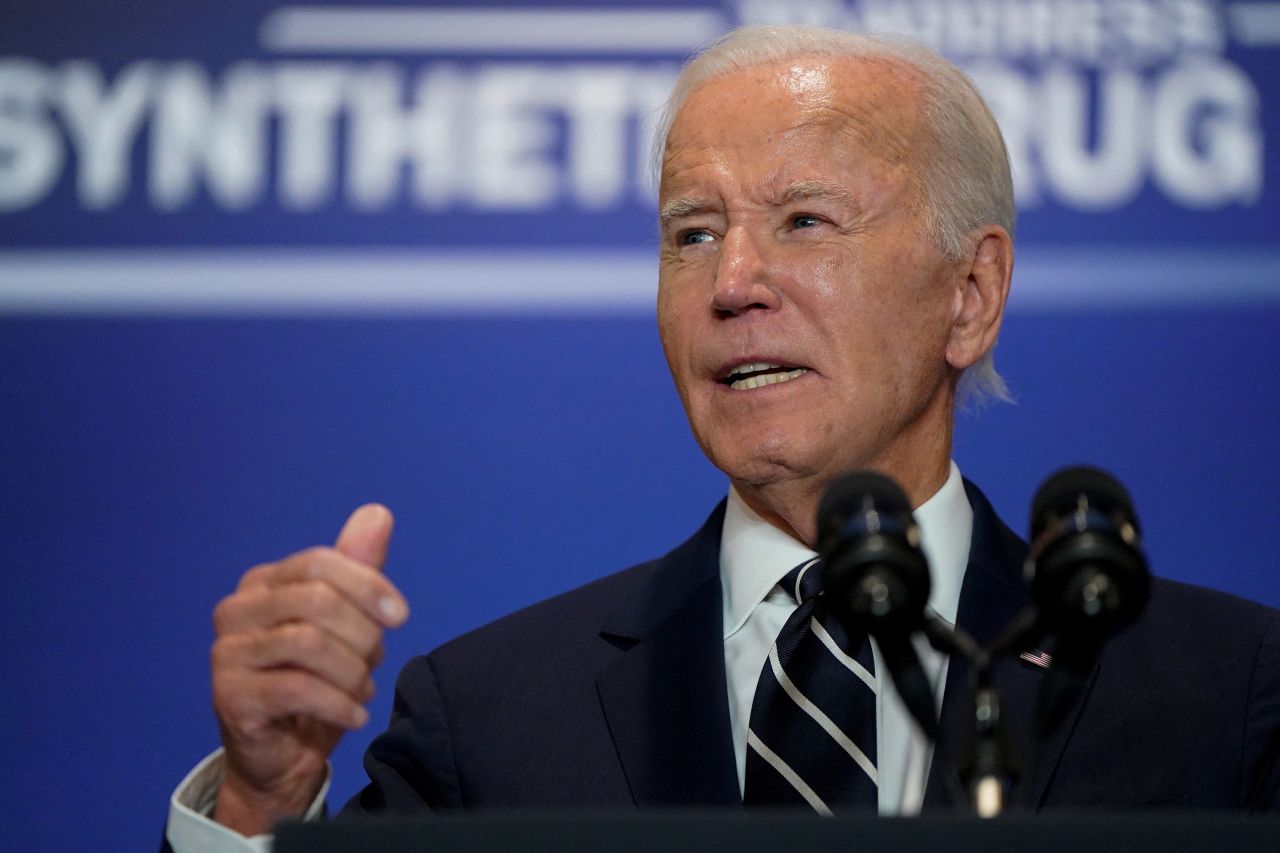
870 102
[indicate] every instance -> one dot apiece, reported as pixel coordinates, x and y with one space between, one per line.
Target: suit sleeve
411 765
1262 724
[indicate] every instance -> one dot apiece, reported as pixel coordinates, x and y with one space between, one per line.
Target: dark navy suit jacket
613 696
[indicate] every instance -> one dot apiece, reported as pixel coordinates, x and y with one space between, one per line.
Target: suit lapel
993 593
665 699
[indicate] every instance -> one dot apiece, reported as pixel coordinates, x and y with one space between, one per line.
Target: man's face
791 241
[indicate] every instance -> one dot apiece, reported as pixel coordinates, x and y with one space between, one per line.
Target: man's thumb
366 535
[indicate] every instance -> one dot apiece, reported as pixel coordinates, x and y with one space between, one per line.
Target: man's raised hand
296 644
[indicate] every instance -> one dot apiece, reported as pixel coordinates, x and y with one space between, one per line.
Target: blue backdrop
259 265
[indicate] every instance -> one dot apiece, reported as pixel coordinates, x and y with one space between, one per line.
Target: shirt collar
754 555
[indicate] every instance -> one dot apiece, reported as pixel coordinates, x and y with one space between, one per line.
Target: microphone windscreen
851 493
1060 495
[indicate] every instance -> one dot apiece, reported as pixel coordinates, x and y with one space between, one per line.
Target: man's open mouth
745 377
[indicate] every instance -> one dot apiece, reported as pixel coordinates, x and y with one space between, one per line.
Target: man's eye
689 238
804 220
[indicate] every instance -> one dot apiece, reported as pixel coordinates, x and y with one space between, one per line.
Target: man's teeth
759 380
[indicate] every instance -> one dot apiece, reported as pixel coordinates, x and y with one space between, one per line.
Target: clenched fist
296 643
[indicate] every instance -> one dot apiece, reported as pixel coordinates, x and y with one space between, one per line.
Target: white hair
965 182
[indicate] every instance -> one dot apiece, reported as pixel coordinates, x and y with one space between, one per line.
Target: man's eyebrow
801 190
681 207
684 206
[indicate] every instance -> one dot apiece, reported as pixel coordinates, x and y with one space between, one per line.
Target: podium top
1159 832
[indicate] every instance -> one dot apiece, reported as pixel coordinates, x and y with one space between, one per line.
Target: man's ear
983 286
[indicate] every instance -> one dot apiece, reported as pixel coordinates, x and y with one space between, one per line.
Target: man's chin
757 471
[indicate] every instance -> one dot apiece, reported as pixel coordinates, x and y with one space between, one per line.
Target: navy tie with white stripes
812 737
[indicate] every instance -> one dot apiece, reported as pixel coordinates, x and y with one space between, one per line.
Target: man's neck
792 505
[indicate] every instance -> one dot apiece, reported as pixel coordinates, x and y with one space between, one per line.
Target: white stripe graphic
784 769
397 29
271 282
350 281
821 719
838 653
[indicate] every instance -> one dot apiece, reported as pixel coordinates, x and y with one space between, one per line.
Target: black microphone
876 578
1088 575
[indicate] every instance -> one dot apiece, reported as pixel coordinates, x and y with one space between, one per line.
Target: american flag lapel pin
1038 657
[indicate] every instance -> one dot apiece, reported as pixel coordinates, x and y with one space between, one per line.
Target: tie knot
804 581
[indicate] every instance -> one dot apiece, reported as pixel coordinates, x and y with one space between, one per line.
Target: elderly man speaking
836 252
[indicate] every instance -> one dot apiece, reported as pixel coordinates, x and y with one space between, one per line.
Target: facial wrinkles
725 154
698 176
874 155
871 127
723 181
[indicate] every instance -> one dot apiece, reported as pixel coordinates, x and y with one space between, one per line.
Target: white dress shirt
191 830
755 555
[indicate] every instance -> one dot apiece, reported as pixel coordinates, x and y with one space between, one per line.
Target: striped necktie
812 737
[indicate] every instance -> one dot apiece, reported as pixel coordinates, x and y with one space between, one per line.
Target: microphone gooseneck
1087 573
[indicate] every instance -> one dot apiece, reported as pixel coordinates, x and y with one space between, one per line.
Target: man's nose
743 282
